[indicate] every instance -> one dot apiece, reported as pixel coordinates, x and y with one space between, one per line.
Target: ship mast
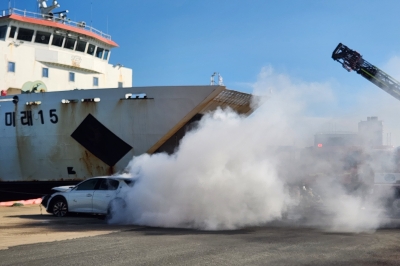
47 10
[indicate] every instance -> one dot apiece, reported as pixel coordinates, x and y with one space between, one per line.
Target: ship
68 114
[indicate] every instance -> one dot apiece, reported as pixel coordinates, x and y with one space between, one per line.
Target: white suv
95 195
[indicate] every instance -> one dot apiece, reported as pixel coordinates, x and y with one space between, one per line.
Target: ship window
3 31
106 52
99 52
42 37
90 50
12 31
11 66
120 84
45 72
25 34
95 81
71 76
57 40
69 43
81 46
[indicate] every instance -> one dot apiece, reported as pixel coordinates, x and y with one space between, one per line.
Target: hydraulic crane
352 60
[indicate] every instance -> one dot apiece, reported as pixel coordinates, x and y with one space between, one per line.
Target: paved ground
29 224
90 241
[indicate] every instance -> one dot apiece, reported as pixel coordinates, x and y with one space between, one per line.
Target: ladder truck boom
352 60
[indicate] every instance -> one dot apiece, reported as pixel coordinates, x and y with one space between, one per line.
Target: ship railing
80 24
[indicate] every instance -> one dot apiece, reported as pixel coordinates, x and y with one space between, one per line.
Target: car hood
63 188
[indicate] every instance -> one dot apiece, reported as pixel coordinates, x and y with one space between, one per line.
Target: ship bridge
49 52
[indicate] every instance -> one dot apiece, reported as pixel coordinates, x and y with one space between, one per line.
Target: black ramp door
100 141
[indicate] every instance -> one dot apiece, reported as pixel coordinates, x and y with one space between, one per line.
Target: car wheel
396 207
60 207
114 207
109 213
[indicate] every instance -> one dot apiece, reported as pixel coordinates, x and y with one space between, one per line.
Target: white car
96 195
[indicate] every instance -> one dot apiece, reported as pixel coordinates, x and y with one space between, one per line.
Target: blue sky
176 42
182 42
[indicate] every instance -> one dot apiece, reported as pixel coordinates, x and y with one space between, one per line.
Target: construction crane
352 60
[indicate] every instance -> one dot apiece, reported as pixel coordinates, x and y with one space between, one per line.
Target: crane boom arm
352 60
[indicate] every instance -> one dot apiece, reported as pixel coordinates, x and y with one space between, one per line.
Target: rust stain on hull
94 166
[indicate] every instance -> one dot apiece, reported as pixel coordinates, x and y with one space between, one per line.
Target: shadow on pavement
159 231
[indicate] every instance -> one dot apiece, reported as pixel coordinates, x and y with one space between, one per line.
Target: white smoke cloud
215 181
231 171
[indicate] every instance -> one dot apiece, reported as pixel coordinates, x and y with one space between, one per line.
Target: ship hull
25 190
61 138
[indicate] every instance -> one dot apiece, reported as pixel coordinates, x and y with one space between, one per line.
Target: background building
370 134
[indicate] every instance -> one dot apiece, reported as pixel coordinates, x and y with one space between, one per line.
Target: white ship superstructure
48 52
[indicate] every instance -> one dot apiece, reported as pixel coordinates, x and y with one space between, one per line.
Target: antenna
47 10
212 83
91 14
220 79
